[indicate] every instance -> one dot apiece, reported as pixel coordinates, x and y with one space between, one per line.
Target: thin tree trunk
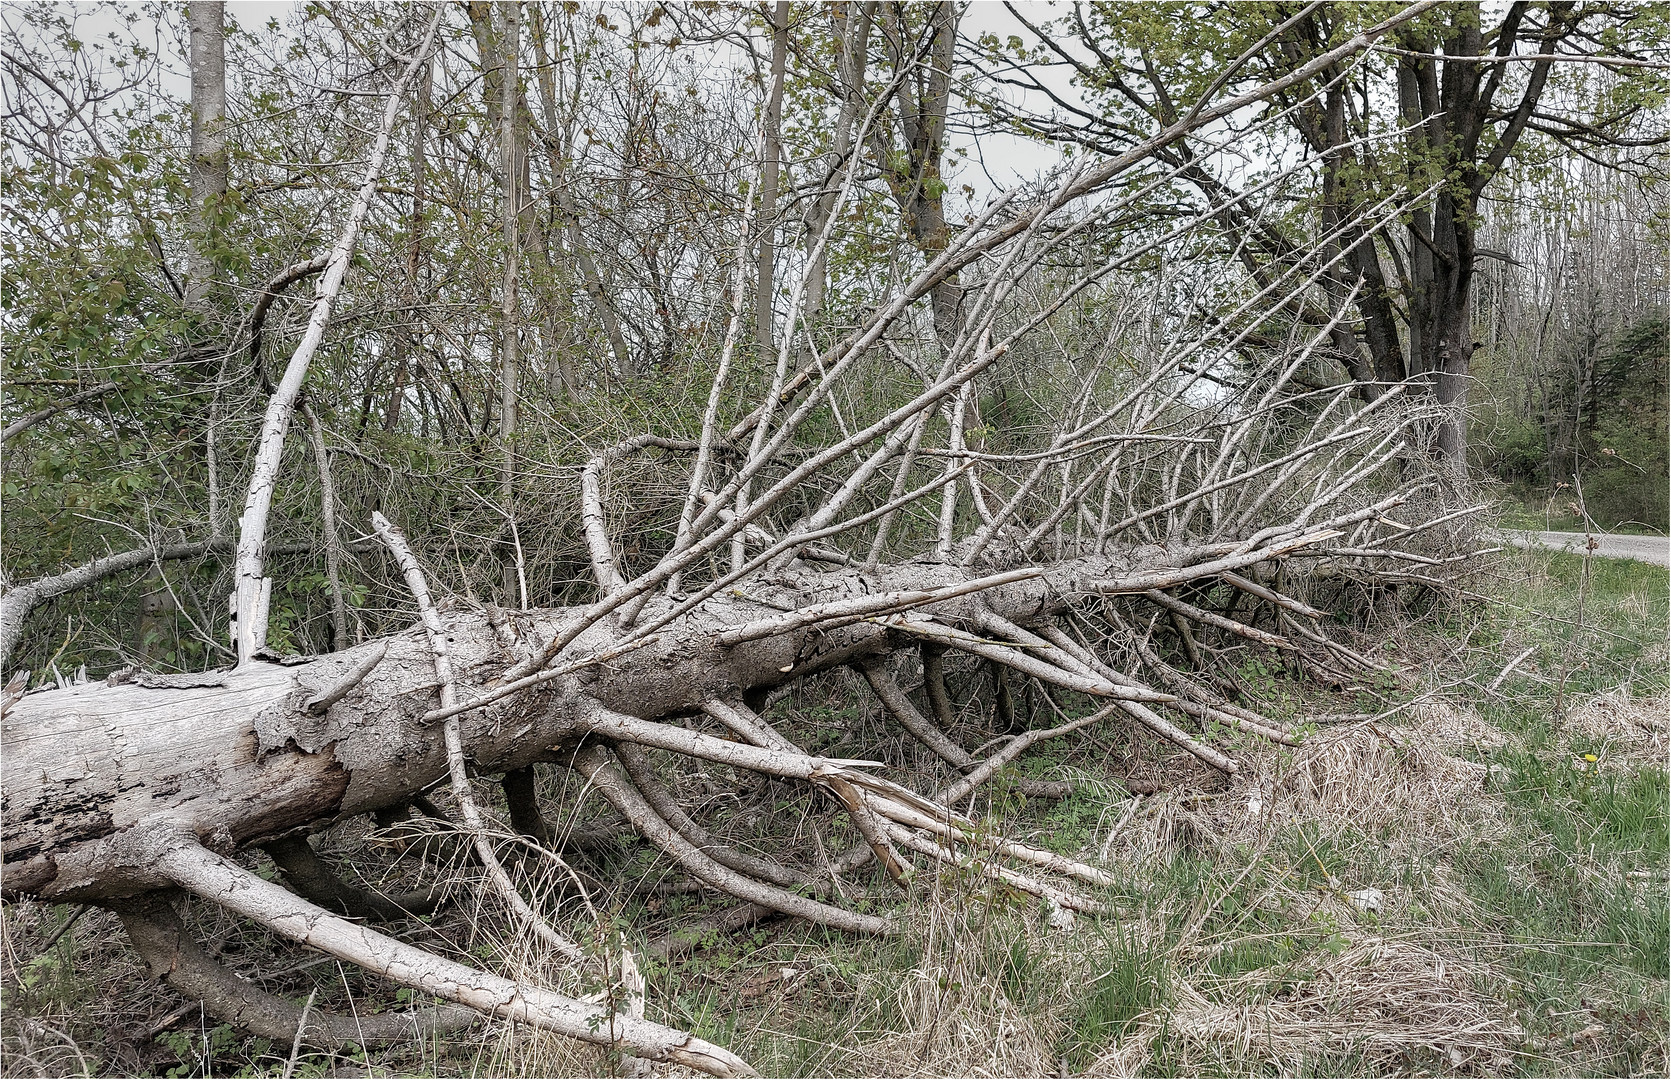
765 278
510 329
853 29
206 20
411 339
333 542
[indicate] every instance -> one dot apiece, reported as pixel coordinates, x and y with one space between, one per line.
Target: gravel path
1648 549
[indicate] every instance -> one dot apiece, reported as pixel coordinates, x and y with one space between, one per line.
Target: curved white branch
249 614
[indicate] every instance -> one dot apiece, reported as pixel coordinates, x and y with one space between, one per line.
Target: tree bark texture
206 23
236 758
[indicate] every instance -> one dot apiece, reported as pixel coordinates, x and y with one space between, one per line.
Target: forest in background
146 319
840 458
1574 364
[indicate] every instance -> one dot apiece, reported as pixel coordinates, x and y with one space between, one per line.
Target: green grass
1578 808
1541 514
1579 889
1133 982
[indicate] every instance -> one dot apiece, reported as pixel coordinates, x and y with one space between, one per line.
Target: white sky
999 161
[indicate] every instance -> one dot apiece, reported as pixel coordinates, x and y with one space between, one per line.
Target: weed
1132 984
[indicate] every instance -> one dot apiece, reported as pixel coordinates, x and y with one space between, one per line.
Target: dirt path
1648 549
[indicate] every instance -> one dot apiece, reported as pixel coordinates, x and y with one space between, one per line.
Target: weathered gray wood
236 758
226 883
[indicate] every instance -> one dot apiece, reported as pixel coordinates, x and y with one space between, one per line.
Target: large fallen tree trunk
1202 464
237 758
116 790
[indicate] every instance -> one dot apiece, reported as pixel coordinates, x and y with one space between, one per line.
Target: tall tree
1465 94
850 25
918 43
513 144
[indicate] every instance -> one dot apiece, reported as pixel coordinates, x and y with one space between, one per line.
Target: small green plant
1134 983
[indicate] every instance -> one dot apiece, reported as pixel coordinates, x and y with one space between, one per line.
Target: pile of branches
1188 485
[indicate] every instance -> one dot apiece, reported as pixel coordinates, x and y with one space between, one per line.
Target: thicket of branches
652 393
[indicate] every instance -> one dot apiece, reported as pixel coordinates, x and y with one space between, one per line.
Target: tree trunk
765 277
912 169
512 153
851 23
408 340
236 757
206 20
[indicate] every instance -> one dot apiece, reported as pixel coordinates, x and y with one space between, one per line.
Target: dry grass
1376 1003
1628 730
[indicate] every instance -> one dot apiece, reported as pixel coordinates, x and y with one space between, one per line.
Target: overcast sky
998 161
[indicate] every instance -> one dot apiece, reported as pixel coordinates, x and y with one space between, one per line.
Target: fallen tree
1186 458
139 783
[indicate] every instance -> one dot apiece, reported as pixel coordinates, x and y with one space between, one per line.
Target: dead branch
309 875
662 802
321 703
462 792
900 708
594 762
1207 618
39 416
223 882
171 953
252 587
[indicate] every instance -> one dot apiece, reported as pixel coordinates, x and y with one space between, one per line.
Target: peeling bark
237 755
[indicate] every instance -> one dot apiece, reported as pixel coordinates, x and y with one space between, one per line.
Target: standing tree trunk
765 278
851 23
206 20
1458 131
409 340
511 156
912 168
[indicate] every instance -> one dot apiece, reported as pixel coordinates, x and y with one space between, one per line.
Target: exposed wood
457 770
225 883
320 704
250 581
